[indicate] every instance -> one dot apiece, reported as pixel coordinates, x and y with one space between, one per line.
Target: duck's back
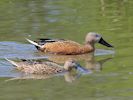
40 67
62 47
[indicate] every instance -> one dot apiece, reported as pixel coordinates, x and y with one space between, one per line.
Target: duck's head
93 38
69 64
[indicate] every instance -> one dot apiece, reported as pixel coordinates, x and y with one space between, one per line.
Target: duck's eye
97 35
72 62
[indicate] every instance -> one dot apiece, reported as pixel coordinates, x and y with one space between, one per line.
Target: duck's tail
34 43
12 62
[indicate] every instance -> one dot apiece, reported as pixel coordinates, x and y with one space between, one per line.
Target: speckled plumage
40 68
37 67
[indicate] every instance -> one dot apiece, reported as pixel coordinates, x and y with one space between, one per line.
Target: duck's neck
66 67
90 46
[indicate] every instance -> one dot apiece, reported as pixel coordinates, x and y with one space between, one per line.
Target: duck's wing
37 67
62 47
58 46
46 68
45 40
42 41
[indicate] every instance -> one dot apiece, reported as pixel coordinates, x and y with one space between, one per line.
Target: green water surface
68 19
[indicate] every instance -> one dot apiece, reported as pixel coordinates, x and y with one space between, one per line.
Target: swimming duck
68 47
47 67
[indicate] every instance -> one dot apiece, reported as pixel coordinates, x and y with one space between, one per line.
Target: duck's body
65 47
47 67
68 47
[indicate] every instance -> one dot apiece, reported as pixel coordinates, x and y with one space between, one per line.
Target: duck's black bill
103 42
82 69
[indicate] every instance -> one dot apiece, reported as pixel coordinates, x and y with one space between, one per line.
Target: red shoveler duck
68 47
44 68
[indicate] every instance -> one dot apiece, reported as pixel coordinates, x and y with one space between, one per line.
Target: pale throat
67 67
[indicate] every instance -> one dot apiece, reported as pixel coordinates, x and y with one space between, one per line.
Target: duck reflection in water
89 59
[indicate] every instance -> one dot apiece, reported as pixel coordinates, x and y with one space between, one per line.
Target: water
112 70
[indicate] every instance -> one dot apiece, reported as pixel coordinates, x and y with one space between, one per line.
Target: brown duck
68 47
